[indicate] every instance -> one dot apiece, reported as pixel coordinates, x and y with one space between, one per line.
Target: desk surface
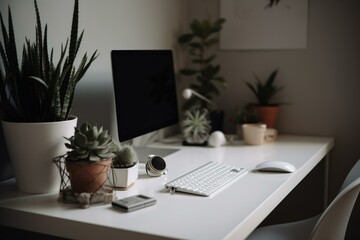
231 214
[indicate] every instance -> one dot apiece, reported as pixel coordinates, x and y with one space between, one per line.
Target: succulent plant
196 125
125 156
90 143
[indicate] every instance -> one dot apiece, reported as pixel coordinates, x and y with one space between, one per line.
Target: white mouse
275 166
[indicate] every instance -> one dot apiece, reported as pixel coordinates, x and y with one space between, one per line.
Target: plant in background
125 156
39 90
196 125
246 115
264 92
90 144
200 40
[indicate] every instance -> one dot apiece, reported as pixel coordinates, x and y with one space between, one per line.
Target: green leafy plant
264 92
125 156
199 41
90 143
40 90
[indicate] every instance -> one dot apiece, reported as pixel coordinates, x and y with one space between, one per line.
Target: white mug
254 133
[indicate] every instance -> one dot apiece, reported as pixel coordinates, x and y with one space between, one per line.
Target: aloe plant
200 40
264 92
38 89
90 143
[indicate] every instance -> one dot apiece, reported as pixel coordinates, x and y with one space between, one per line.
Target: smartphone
133 203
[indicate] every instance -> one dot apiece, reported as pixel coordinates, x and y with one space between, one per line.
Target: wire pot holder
69 194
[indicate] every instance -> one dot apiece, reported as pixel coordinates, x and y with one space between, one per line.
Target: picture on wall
255 25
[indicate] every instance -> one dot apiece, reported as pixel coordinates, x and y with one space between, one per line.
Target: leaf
80 139
40 81
211 42
198 60
74 31
185 38
196 45
188 72
271 79
221 80
210 59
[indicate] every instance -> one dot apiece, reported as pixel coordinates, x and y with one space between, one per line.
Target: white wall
321 82
108 25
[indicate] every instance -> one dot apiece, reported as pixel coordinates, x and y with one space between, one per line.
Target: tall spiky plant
39 90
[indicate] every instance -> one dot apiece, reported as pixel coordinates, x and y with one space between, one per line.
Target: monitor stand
144 152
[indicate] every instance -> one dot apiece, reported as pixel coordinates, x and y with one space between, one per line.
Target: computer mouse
275 166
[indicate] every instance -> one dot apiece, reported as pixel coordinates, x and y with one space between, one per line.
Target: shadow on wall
94 102
6 171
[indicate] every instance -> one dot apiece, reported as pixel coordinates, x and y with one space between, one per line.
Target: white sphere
216 139
187 93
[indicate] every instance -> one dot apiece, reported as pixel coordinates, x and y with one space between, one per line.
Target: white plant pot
32 147
123 177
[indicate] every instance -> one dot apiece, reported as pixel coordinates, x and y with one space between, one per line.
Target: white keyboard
206 180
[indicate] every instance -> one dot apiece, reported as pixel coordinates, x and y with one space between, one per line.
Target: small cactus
90 143
125 156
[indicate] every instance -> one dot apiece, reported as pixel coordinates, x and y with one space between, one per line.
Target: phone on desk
133 203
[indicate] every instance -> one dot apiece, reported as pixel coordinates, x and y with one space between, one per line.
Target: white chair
331 224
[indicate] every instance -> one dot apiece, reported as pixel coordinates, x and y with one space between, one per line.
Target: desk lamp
187 93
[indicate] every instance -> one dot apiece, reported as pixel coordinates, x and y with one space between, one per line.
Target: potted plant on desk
196 127
89 159
245 115
264 93
36 98
125 168
199 41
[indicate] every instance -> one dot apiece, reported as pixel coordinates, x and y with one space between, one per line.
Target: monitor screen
145 91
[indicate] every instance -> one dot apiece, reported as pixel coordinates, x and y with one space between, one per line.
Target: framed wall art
255 25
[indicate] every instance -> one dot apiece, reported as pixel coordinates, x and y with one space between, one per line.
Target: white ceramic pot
32 147
254 134
123 177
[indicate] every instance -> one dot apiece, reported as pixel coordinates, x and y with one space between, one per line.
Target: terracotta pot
268 115
88 177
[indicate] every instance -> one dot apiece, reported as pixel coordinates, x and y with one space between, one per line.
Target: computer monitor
145 91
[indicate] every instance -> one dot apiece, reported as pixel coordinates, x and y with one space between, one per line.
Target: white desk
231 214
